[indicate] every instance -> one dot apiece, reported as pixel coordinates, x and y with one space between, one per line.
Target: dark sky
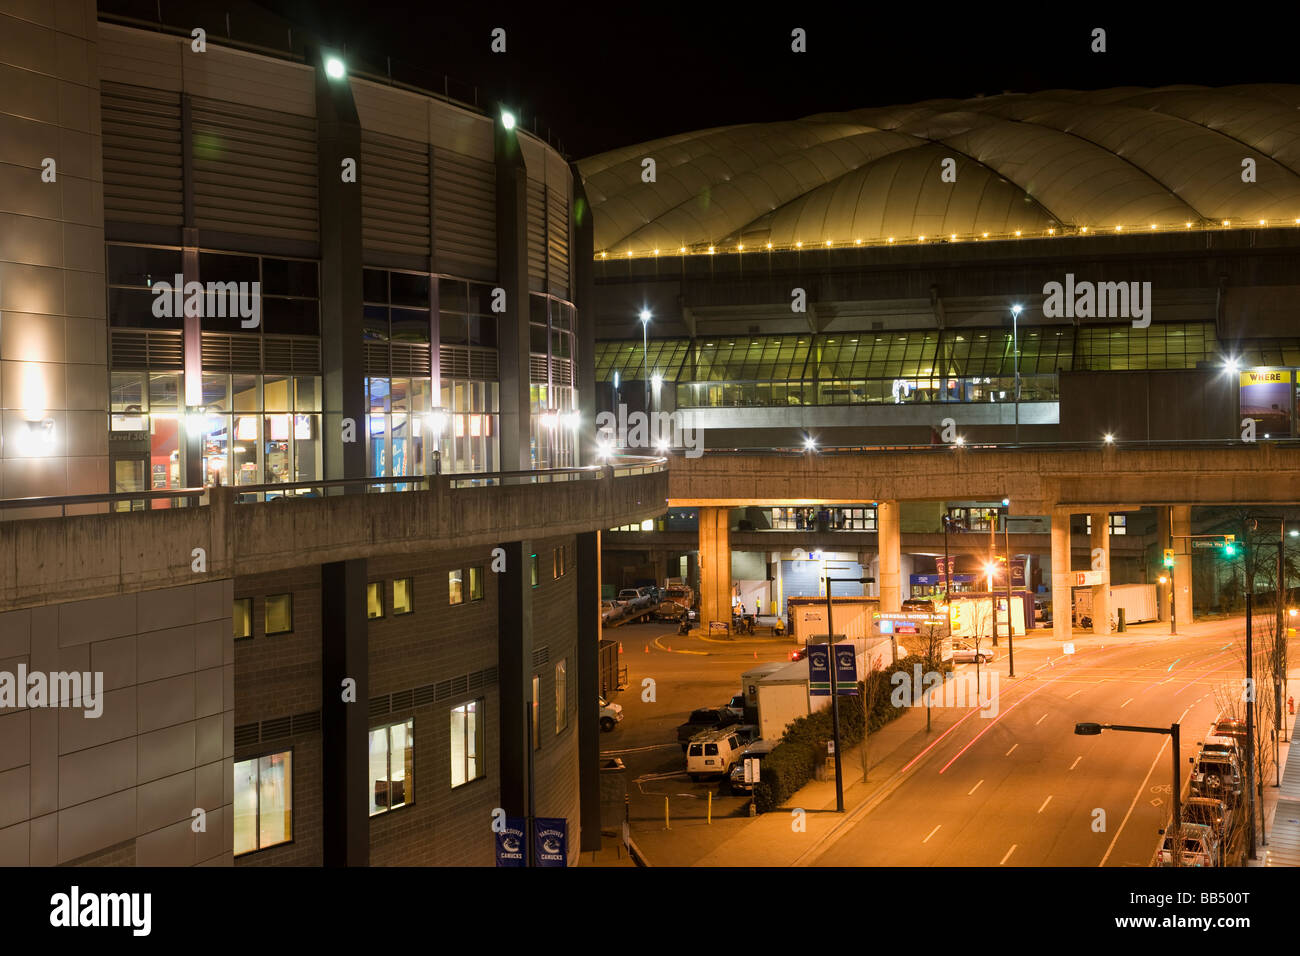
623 71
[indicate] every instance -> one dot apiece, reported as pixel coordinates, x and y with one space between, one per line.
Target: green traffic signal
1229 549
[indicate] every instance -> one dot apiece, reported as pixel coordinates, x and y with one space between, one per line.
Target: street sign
1086 578
846 669
1205 544
752 770
1068 647
819 670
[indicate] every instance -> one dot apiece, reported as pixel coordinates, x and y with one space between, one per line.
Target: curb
669 650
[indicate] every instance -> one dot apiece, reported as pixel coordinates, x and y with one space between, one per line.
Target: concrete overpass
1054 481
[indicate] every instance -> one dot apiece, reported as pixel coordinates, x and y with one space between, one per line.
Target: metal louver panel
423 695
379 706
276 728
141 350
403 699
542 655
394 178
557 239
231 352
246 735
376 358
306 723
536 235
411 359
537 369
254 171
282 353
465 209
483 365
143 178
453 362
562 371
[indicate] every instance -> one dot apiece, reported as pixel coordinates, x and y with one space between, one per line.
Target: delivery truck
1138 601
851 617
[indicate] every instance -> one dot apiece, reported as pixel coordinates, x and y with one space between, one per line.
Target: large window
392 766
375 599
260 429
537 712
242 617
561 695
263 804
466 742
476 583
456 587
279 613
532 569
403 596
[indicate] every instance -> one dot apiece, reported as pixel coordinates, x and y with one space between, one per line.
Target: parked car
636 599
611 611
1213 813
610 714
708 718
748 733
1216 775
799 653
1199 847
758 750
964 652
918 605
1231 727
736 706
1225 745
713 753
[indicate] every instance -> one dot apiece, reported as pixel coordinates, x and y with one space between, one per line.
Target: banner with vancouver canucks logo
510 843
552 841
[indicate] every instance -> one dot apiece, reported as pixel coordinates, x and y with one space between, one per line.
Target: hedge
793 761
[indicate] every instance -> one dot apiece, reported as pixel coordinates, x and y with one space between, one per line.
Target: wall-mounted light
334 68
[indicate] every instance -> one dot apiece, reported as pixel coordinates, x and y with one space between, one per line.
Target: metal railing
1200 444
624 466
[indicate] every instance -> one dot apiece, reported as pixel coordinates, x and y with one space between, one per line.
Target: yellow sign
1265 377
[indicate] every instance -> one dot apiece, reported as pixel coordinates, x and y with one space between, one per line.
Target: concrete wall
125 783
1168 405
53 344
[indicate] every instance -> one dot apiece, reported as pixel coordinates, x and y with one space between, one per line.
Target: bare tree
870 693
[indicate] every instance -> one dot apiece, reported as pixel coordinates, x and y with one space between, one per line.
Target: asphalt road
1021 789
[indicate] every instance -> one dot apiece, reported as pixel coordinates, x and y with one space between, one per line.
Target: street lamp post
1015 358
1011 628
1092 730
835 699
645 355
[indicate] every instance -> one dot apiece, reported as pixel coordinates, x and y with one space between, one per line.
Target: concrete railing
57 559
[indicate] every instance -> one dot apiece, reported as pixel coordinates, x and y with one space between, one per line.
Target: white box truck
783 697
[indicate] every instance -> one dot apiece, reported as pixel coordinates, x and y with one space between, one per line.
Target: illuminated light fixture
656 252
656 381
550 419
858 242
1119 228
986 235
334 68
661 445
644 316
1227 222
1085 229
959 441
437 421
710 250
1162 579
1051 232
1297 222
769 245
507 119
1153 225
604 255
682 249
828 242
1261 222
1016 310
920 238
890 239
629 253
953 237
1108 438
1189 225
573 420
810 443
1017 232
798 245
1231 365
740 247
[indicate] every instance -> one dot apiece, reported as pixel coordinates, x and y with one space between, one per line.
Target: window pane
275 799
289 277
410 289
378 770
401 763
279 613
533 571
242 616
537 700
245 806
476 584
375 599
455 587
561 695
403 596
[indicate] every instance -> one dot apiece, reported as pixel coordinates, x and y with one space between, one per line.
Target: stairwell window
279 613
466 742
263 804
374 600
392 766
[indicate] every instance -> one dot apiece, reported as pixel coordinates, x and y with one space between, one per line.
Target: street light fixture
645 355
1093 730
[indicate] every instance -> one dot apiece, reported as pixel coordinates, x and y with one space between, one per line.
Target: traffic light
1229 549
1169 557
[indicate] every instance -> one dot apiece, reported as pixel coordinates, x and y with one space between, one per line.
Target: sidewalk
1282 804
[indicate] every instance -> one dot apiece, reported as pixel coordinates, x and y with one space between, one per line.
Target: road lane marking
1009 852
1077 692
1013 747
1126 703
1040 720
973 789
932 833
1045 803
1076 761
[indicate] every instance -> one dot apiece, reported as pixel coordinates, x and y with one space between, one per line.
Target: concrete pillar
888 545
715 566
512 325
515 674
1061 590
1182 525
345 803
1100 538
1163 531
587 611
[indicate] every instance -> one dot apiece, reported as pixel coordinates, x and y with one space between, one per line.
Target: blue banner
510 843
552 841
819 670
846 669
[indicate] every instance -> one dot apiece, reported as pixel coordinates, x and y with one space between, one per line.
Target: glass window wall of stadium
916 366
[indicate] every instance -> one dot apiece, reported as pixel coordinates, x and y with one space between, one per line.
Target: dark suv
711 718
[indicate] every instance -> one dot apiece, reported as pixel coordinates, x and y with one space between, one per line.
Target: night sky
620 73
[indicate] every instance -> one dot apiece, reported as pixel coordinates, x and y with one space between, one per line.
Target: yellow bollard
710 817
667 825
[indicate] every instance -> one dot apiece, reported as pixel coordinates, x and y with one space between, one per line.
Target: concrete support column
515 672
715 565
587 612
512 325
1062 599
1182 525
1163 530
345 655
1100 538
889 548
